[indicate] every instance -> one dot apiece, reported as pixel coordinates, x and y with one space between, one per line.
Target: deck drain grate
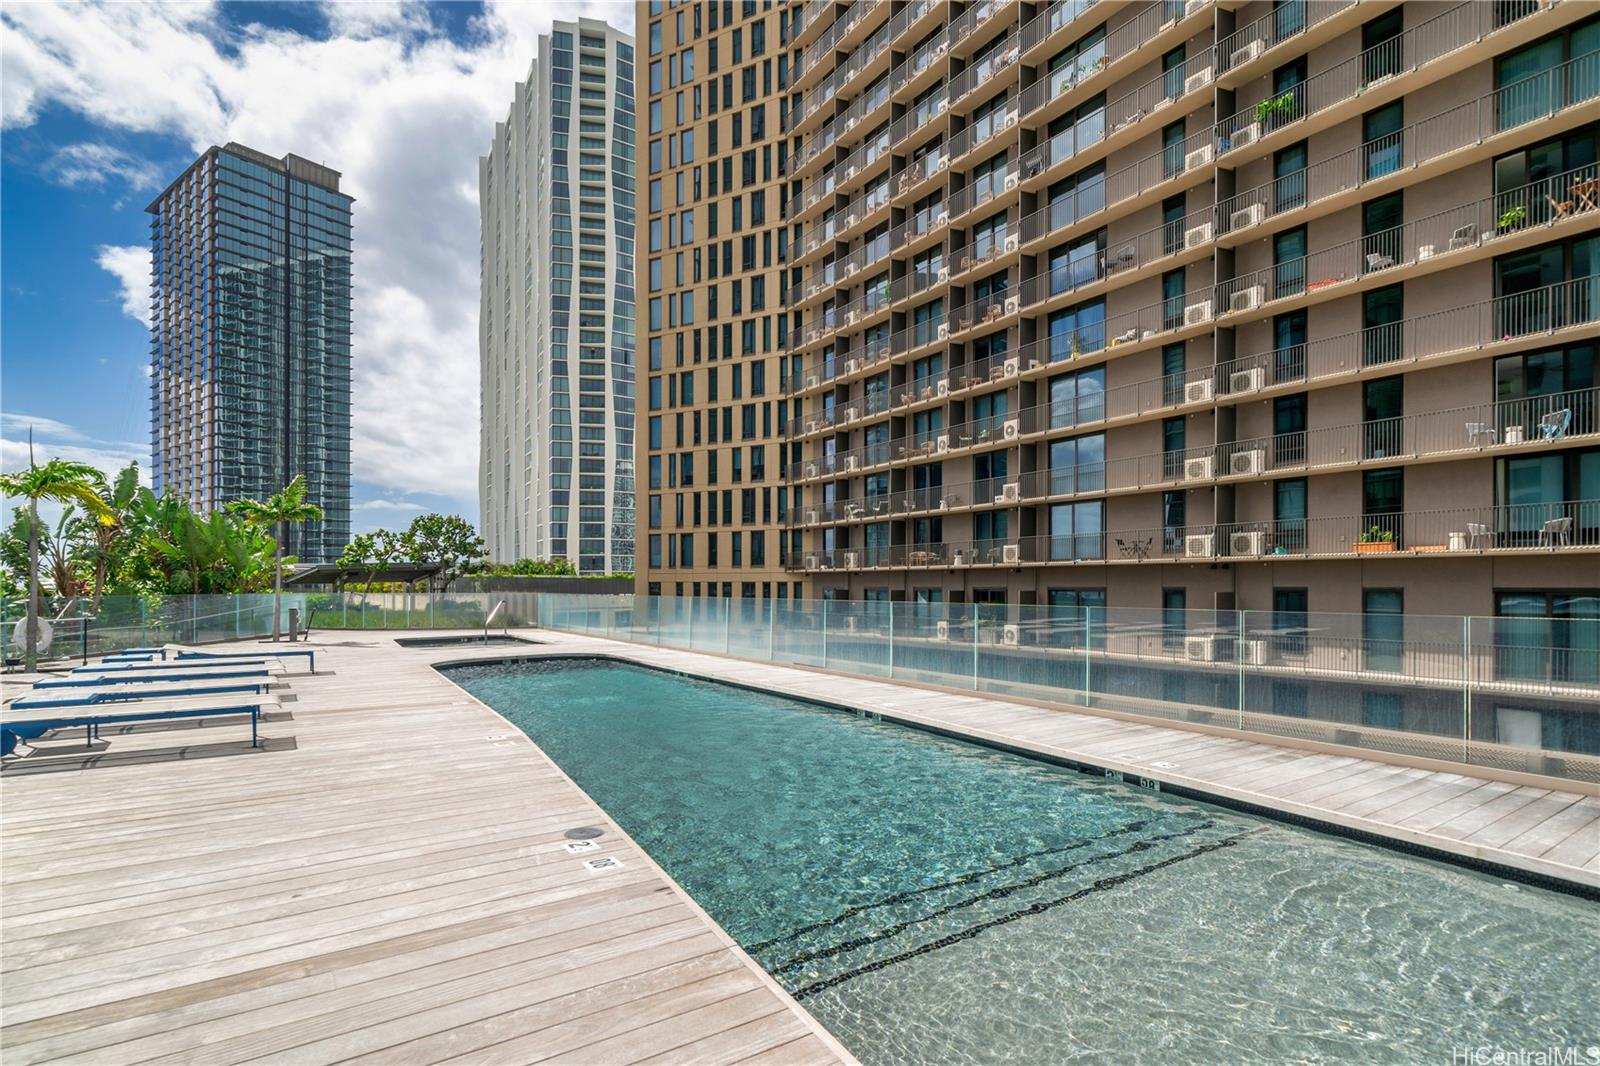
1165 765
584 832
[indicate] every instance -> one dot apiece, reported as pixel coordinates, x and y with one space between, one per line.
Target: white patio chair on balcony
1556 533
1464 236
1379 261
1478 432
1554 425
1478 536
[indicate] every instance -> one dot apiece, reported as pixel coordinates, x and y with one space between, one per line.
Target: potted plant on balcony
1512 217
1277 111
1375 539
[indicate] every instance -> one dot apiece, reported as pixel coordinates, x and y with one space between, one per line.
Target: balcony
1151 178
1439 240
1478 127
1136 37
1245 50
1558 527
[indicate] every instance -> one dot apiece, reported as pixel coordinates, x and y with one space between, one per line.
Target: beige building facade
1197 305
713 508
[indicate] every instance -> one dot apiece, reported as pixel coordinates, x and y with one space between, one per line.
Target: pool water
931 901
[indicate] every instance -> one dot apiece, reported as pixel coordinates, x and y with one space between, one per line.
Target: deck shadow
66 758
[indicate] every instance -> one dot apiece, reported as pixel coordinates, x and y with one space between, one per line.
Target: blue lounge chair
142 677
86 697
13 732
310 656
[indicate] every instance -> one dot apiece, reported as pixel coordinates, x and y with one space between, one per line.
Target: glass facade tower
250 338
557 308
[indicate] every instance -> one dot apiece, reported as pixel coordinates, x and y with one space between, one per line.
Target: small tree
446 541
63 482
278 510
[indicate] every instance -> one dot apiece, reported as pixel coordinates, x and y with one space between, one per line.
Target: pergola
336 576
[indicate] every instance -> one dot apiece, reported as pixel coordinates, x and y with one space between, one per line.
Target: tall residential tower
1280 306
714 81
556 328
250 337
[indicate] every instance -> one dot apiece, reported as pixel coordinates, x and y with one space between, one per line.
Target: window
1174 509
1381 138
1077 530
1533 387
1174 371
1077 399
1548 500
1078 464
1548 635
1381 230
1077 329
1172 446
1381 313
1289 263
1383 505
1174 618
1383 431
1289 607
1289 177
1289 347
1382 629
1289 430
1077 197
1289 515
1535 80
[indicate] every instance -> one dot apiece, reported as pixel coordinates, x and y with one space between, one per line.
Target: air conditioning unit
1011 182
942 444
1197 81
1011 553
941 631
1201 234
1249 462
941 388
1245 217
1247 299
1247 380
811 562
1245 543
1013 242
944 273
1013 304
852 365
811 425
1200 649
1244 135
944 331
1011 367
1010 492
1253 652
811 470
1197 314
812 381
943 219
1197 469
1199 546
851 413
1247 54
851 464
1197 391
1011 635
1197 158
944 163
852 561
813 517
1011 429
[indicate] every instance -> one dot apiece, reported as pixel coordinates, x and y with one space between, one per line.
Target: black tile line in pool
1165 787
1103 885
972 901
966 878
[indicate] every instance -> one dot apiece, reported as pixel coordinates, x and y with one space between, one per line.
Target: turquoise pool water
937 902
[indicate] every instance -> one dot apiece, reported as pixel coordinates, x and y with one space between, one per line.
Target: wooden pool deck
388 879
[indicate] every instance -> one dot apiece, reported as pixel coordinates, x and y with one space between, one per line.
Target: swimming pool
931 901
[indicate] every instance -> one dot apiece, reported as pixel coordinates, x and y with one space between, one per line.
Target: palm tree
63 482
279 509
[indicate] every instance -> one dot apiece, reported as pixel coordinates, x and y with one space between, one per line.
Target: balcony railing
1460 26
1437 235
1468 125
1534 315
1132 181
1272 29
1121 41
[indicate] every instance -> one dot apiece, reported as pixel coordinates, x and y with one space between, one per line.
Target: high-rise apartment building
250 338
556 328
1287 305
714 81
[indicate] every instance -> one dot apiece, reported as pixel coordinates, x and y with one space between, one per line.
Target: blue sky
105 104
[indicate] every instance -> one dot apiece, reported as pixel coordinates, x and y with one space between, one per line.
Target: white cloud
53 439
386 505
101 164
130 264
402 112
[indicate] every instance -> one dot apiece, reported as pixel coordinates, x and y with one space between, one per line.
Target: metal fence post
974 647
727 630
772 631
235 616
1238 656
891 638
1466 686
824 631
1088 646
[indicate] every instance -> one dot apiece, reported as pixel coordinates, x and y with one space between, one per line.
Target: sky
102 105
